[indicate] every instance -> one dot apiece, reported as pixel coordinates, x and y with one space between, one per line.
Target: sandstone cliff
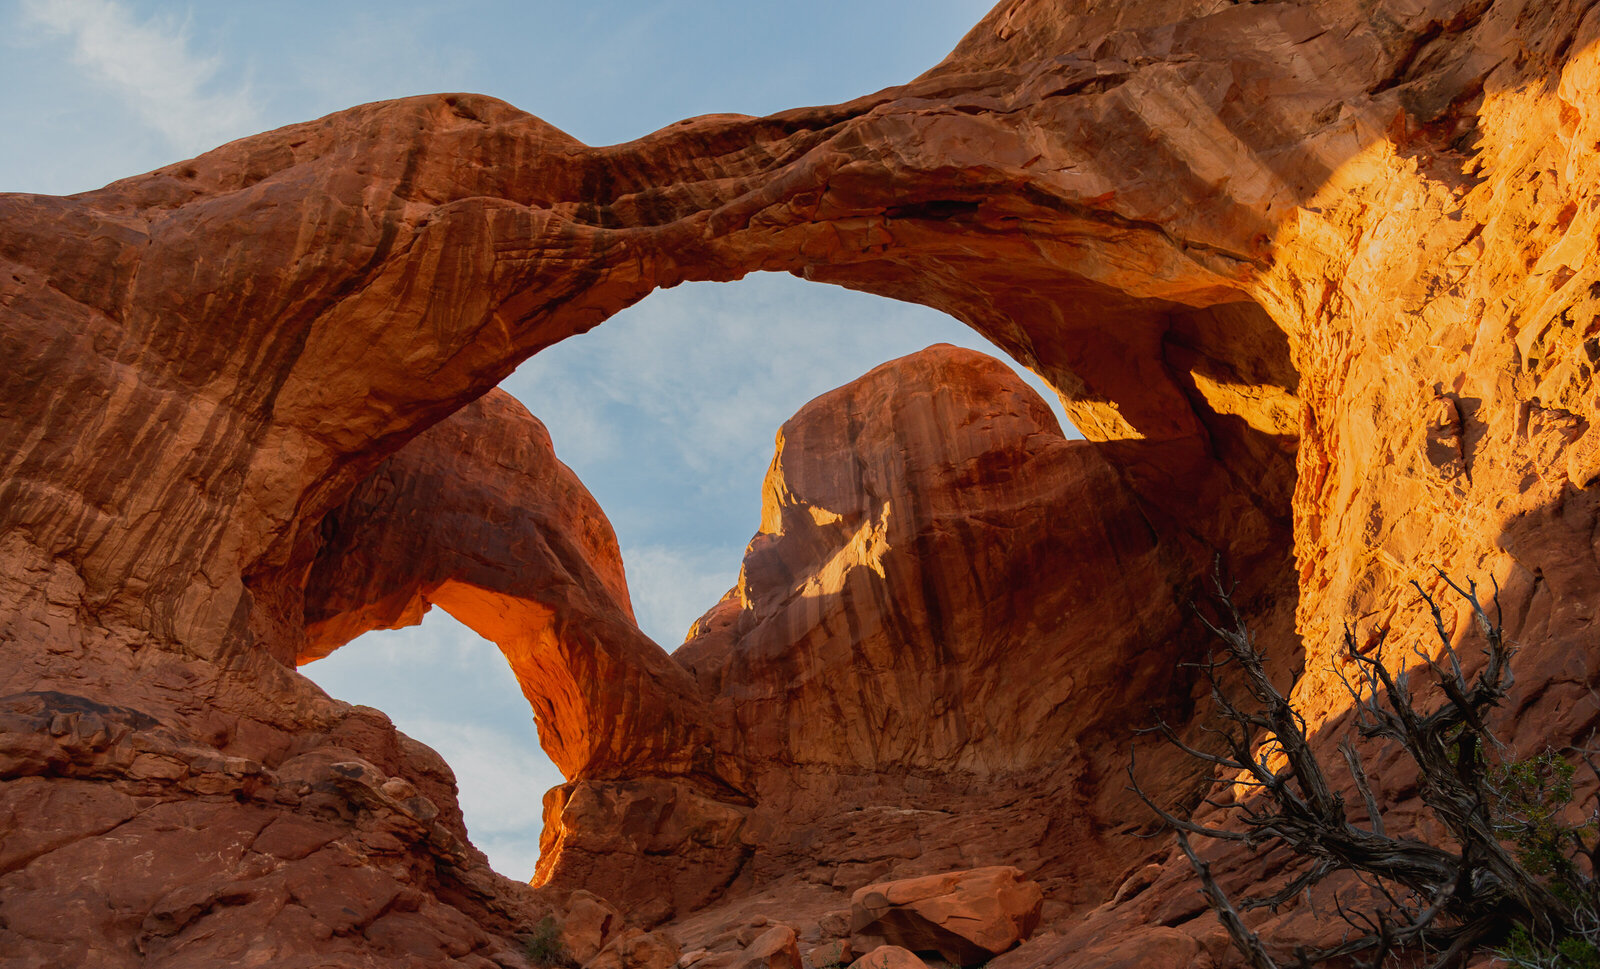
894 676
1316 279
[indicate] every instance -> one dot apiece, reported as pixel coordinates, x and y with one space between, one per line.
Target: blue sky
667 411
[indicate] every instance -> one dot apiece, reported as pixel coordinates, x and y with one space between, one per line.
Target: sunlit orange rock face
889 614
1316 280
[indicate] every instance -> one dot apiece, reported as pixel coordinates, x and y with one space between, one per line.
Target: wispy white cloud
672 586
667 413
152 66
715 369
443 685
502 783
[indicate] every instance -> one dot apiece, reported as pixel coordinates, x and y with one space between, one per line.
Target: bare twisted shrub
1510 874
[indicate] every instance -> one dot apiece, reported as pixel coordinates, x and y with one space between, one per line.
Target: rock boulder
968 917
776 948
590 923
637 949
889 957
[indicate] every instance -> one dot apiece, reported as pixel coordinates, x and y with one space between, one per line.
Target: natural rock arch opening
460 265
668 411
1245 411
873 329
447 687
262 328
478 517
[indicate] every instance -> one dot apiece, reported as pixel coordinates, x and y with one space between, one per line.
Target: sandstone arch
478 517
479 234
1223 231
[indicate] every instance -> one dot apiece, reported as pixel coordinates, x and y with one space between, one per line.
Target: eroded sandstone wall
1315 276
940 636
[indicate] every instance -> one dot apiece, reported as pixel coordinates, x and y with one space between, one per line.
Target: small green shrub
1532 799
1531 795
1521 951
544 947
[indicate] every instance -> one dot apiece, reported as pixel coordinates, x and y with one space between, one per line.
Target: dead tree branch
1435 902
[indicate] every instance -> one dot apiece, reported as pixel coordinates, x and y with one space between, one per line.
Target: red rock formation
892 666
889 957
479 517
775 948
636 949
968 917
888 616
588 925
228 816
1339 250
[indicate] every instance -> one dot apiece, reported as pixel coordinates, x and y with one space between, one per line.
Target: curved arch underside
1312 277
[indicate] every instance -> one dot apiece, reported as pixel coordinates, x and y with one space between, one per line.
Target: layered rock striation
888 615
892 663
940 630
1315 279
